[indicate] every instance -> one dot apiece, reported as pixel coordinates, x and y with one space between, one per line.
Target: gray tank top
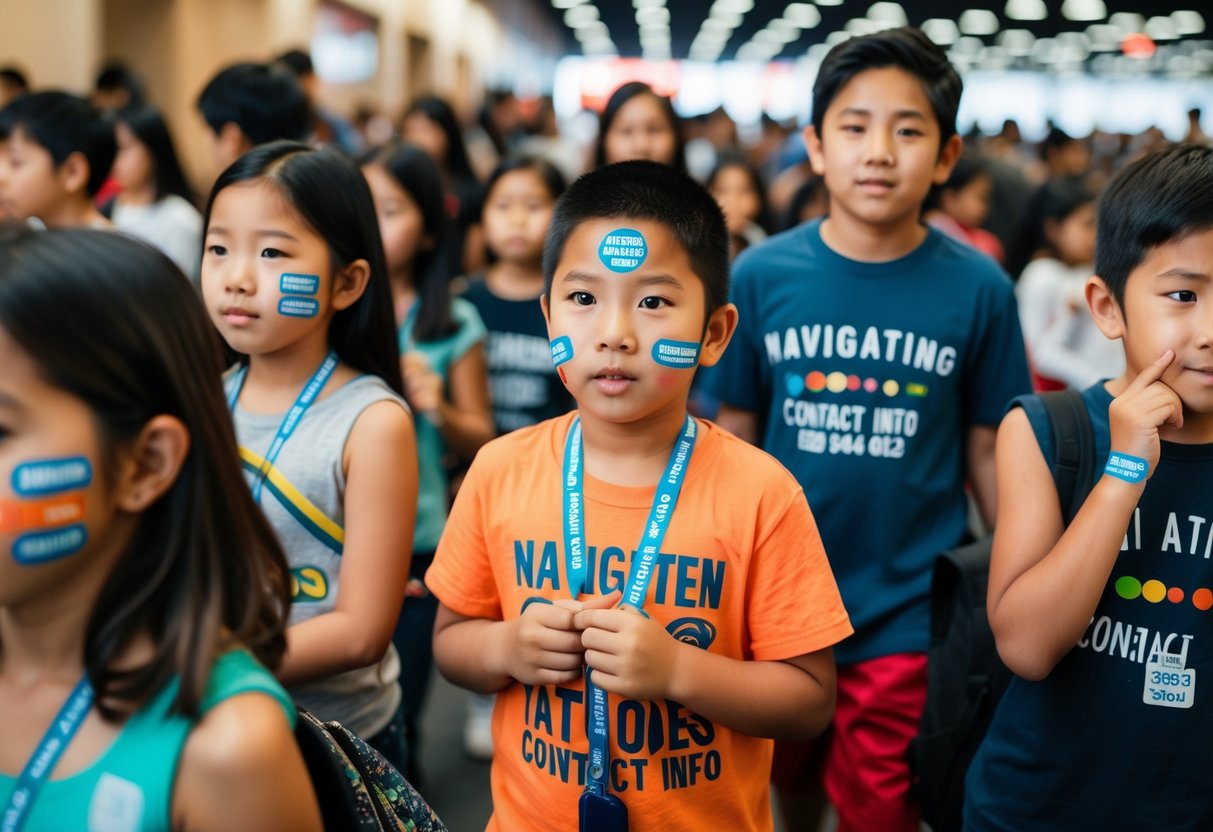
303 498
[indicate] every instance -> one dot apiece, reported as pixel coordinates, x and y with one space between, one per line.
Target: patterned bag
357 789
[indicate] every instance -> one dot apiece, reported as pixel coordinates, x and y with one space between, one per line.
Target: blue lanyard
306 397
643 565
56 739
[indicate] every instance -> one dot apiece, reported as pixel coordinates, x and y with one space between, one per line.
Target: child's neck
515 281
858 240
630 453
76 213
142 195
404 295
276 378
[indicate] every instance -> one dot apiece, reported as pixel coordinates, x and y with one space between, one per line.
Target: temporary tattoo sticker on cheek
22 516
678 354
51 476
294 307
562 350
40 547
299 284
623 250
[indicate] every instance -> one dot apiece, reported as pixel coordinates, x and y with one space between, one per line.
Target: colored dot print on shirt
836 382
815 381
870 385
853 383
919 390
891 388
1155 591
794 384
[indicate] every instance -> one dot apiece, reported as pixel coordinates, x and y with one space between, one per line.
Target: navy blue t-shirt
523 384
867 376
1080 749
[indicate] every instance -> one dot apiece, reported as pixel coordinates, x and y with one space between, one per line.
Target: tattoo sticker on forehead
682 355
51 476
296 307
562 350
299 284
623 250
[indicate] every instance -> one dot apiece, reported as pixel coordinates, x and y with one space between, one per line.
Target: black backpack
965 677
357 789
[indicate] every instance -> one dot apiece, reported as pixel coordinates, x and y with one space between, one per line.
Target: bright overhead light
647 4
831 3
1128 22
1026 10
1084 10
593 31
767 37
567 4
993 58
1104 37
804 15
978 22
654 15
1017 42
941 31
862 26
888 13
1161 28
606 46
580 16
736 6
1188 22
970 47
840 36
1044 50
730 19
713 24
779 24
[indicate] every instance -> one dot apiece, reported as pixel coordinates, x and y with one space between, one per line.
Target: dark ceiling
687 15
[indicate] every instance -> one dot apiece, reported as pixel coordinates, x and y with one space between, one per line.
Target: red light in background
1138 45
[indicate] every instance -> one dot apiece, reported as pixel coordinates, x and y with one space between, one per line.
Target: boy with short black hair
874 357
56 151
1105 622
248 104
739 607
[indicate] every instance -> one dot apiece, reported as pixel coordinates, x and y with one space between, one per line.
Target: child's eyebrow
860 111
581 277
1181 273
660 280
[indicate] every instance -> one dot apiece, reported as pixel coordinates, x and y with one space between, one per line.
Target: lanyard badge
598 809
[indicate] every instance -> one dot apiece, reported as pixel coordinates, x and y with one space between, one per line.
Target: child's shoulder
533 446
750 471
951 256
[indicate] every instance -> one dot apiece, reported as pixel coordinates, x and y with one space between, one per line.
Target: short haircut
1054 140
298 62
905 48
644 190
551 177
14 78
1158 199
115 75
264 101
64 124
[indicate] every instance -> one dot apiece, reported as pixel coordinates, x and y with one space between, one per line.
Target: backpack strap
1073 449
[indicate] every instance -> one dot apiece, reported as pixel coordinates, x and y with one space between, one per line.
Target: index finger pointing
1152 373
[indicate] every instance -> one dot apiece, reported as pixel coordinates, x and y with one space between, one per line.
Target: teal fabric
130 786
432 486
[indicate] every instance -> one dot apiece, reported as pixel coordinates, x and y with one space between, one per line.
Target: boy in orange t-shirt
700 644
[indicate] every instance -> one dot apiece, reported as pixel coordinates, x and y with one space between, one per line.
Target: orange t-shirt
742 572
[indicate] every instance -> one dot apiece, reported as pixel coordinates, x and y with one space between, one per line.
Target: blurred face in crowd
419 130
970 204
641 130
516 216
739 199
133 168
1073 236
401 223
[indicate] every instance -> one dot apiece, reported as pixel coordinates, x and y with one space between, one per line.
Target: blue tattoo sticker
682 355
295 307
51 476
41 547
299 284
562 350
623 250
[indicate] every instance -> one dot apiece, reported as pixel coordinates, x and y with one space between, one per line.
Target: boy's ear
949 155
350 283
721 325
812 143
232 141
1106 312
74 173
152 463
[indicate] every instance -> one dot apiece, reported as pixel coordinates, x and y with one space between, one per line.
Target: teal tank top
129 788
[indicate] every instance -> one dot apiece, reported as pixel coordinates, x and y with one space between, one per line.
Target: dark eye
1183 296
582 298
653 302
271 253
218 251
910 131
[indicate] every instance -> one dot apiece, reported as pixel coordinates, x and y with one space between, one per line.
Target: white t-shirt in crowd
172 225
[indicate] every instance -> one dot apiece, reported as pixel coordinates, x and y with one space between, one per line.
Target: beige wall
177 45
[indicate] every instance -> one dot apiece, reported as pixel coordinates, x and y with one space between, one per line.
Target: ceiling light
730 19
941 31
713 24
978 22
1104 37
779 24
654 15
837 37
712 38
767 37
648 4
1188 22
594 31
566 4
580 16
993 58
862 26
1128 21
1084 10
803 15
830 3
1161 28
1044 50
885 12
1017 42
736 6
970 47
1026 10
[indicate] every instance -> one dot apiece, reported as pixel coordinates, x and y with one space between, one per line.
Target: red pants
864 767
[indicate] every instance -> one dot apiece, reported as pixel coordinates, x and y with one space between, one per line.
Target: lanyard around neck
641 573
51 747
307 396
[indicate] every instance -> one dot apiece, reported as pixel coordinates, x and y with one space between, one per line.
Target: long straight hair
332 198
114 323
415 172
148 126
